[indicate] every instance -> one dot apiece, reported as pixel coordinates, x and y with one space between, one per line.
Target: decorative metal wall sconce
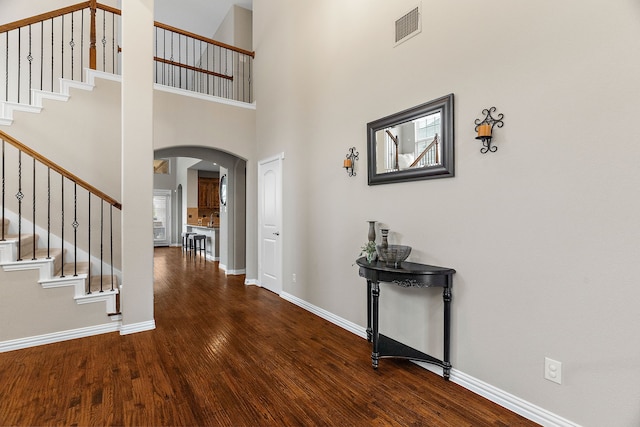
485 127
350 161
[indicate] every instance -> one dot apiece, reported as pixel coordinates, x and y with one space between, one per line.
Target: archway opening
191 166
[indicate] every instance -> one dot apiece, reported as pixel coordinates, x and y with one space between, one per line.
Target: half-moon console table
407 275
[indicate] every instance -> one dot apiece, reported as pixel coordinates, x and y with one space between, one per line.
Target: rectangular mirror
413 144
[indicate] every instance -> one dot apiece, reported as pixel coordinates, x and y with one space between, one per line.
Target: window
426 129
161 166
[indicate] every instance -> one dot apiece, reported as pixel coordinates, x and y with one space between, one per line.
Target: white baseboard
508 400
137 327
251 282
494 394
343 323
34 341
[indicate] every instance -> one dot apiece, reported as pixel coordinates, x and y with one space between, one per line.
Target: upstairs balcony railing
38 51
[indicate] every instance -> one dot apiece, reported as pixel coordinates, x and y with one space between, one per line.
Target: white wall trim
337 320
137 327
252 282
203 96
34 341
508 400
234 272
494 394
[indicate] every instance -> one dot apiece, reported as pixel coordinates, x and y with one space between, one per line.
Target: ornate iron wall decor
350 161
485 127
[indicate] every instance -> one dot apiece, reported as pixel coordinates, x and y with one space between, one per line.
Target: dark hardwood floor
230 355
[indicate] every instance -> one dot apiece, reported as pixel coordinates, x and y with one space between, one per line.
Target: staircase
49 280
83 287
56 252
63 94
49 263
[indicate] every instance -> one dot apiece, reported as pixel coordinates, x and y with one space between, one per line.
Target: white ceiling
202 17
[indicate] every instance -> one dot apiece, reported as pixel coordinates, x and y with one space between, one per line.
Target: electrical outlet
293 278
553 370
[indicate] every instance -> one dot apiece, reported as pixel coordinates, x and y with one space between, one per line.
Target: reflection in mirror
413 144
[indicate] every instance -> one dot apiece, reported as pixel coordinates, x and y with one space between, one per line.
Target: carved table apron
408 275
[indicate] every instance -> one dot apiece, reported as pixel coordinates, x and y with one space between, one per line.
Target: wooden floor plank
226 354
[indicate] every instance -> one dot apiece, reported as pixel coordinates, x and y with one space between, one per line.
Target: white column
137 160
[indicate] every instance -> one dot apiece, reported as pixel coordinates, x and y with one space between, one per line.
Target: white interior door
270 223
161 217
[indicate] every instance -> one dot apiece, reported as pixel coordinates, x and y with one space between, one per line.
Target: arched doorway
232 233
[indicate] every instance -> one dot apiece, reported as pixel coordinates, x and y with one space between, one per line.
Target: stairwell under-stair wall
82 136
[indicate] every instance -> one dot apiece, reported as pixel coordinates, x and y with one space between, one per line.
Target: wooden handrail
435 141
108 8
204 39
20 146
192 68
43 17
92 4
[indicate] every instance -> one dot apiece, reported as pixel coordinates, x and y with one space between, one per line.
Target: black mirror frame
222 191
445 170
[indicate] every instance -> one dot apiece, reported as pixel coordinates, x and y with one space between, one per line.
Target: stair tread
69 269
94 283
24 236
53 252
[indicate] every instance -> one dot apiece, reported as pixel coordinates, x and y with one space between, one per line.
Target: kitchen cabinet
208 193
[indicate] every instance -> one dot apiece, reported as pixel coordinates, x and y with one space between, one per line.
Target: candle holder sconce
350 161
485 127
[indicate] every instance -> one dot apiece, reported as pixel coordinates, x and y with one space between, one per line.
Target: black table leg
375 354
446 296
369 333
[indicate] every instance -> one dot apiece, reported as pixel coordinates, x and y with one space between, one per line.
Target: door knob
276 233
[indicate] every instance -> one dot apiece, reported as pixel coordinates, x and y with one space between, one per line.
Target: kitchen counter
213 239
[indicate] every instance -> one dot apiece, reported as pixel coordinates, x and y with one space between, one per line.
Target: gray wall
543 233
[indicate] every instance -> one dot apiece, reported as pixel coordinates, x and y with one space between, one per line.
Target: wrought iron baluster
89 246
207 67
72 43
226 71
30 59
52 56
75 229
33 226
62 220
173 68
61 47
48 212
111 242
113 42
19 61
81 45
237 90
104 40
19 196
6 71
101 239
41 54
180 61
201 76
3 192
155 68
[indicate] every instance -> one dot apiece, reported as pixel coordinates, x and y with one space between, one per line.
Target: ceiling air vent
408 25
